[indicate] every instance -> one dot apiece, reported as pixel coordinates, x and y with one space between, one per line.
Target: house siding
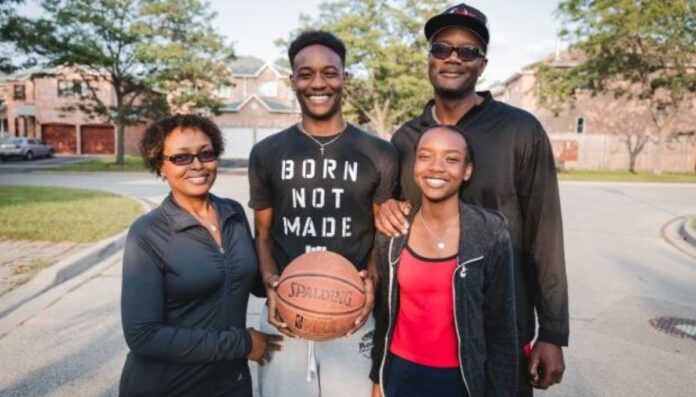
608 121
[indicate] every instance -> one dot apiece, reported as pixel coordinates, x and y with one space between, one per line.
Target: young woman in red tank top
429 315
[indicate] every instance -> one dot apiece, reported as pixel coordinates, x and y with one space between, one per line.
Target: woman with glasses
188 268
445 325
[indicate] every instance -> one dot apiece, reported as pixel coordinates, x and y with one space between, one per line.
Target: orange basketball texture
320 295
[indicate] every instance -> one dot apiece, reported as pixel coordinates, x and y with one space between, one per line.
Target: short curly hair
306 39
152 143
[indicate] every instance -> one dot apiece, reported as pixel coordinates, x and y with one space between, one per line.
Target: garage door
62 137
238 142
97 139
262 133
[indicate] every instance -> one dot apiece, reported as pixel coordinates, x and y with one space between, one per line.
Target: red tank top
425 331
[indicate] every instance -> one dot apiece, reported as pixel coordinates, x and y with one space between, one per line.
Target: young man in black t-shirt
315 187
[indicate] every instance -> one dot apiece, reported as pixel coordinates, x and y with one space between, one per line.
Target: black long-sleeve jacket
184 303
514 173
484 304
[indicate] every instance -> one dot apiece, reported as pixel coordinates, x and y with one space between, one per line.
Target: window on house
580 125
223 91
72 88
269 88
19 92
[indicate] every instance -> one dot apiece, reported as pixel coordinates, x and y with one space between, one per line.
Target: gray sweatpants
337 368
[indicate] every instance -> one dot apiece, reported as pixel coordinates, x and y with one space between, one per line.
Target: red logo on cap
463 11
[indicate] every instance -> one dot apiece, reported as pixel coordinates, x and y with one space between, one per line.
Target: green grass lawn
60 214
105 164
625 176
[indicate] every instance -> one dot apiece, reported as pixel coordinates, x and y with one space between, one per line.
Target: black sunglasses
466 54
187 158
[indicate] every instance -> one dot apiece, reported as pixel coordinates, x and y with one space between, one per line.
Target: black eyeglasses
187 158
466 54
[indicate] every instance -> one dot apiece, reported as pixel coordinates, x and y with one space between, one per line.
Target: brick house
259 103
593 133
36 103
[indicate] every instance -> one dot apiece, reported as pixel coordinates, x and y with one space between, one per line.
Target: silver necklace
325 144
440 240
211 225
434 114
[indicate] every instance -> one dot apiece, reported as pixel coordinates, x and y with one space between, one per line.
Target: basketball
320 295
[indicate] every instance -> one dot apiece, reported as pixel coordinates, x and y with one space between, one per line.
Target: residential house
259 103
593 133
42 103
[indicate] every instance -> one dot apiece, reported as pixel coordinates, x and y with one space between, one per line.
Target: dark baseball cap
462 15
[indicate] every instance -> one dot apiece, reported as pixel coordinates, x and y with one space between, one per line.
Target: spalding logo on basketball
320 295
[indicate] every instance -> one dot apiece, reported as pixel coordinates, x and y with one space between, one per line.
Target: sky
522 32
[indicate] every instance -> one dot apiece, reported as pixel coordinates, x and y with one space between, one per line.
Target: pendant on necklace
441 245
321 150
213 228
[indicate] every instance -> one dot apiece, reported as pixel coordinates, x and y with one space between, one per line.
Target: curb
681 234
688 232
233 171
34 306
628 183
65 269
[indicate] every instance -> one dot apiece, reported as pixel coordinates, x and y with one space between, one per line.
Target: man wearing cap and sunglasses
515 175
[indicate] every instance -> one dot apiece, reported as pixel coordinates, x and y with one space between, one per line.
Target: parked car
29 148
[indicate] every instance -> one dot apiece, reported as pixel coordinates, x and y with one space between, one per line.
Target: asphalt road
136 184
621 272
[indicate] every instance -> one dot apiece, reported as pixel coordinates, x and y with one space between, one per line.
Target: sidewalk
21 260
70 260
68 341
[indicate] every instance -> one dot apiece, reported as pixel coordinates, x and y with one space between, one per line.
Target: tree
153 53
387 57
639 50
7 9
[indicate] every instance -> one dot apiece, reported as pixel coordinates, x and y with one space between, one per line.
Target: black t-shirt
322 202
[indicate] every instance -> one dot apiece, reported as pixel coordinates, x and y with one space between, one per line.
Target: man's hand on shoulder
391 218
